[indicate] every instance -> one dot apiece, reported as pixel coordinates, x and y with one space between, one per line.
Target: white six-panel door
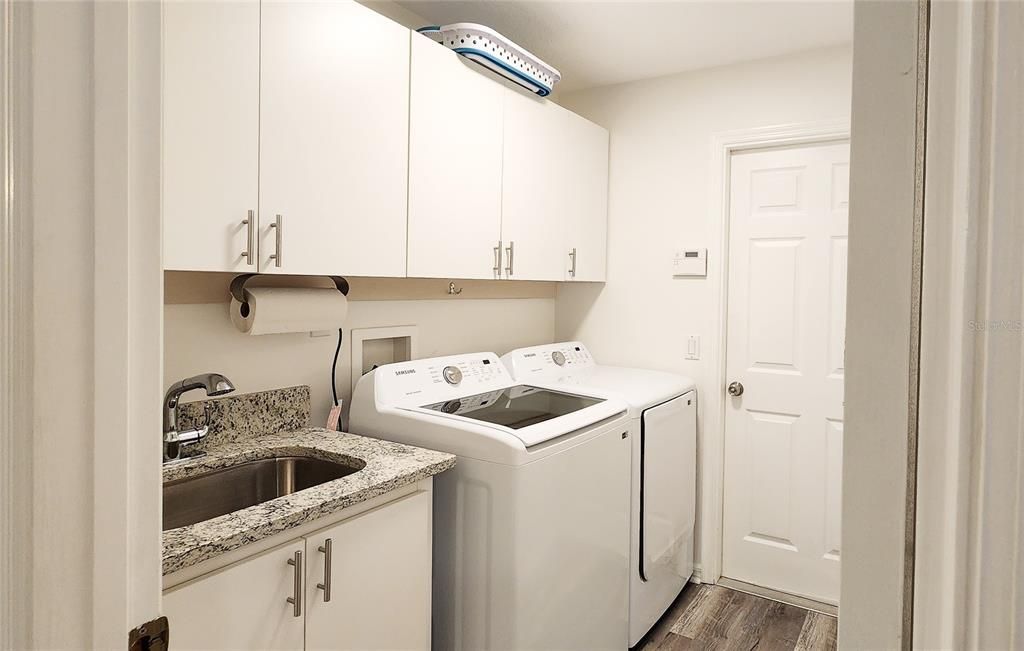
785 345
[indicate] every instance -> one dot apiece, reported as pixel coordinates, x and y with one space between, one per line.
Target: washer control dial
558 358
452 375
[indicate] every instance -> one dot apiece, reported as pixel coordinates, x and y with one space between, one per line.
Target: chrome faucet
214 384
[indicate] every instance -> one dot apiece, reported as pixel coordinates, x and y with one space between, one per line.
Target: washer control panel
426 381
550 360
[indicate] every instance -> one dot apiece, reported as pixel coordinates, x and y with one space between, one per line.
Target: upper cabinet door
586 212
211 58
334 115
533 194
454 166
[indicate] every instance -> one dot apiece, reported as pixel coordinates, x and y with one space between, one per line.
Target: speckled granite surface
238 417
387 466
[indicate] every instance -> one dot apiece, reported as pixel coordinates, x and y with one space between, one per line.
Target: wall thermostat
690 262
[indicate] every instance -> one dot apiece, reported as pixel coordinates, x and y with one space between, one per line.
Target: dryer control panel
548 361
424 381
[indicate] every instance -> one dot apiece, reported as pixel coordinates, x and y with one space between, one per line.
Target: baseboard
775 595
698 574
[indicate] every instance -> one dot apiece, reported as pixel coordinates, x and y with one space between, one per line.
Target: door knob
735 389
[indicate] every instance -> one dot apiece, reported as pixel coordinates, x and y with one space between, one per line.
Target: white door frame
15 334
712 455
969 531
128 319
81 304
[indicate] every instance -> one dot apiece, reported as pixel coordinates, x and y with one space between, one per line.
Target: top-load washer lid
570 367
475 396
515 407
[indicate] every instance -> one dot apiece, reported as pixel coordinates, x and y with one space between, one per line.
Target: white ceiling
596 43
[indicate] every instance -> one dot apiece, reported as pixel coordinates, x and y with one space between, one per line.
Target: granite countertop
385 466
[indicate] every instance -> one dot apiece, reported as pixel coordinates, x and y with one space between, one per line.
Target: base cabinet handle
296 599
325 549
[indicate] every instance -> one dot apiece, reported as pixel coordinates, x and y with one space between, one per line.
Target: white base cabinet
375 565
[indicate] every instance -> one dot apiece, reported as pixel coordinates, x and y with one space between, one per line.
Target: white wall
659 199
199 337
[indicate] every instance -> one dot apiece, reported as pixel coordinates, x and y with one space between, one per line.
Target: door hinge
151 636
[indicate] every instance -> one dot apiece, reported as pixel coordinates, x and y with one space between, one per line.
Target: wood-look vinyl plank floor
710 617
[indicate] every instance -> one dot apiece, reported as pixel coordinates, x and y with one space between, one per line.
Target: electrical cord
334 367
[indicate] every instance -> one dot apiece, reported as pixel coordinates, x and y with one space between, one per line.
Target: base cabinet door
379 579
244 606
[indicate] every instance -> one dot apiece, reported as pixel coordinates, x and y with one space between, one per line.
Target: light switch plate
693 347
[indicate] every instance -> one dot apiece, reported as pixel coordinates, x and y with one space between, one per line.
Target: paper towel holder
237 288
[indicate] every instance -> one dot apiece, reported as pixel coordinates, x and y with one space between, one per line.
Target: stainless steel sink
206 496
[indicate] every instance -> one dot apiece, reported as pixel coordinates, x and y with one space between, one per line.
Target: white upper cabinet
210 147
334 115
585 215
533 191
321 138
455 151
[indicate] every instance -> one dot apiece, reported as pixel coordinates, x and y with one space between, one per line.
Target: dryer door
668 456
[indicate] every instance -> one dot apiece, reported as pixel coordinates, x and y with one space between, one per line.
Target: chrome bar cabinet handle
278 236
497 260
296 599
511 251
572 269
325 549
250 224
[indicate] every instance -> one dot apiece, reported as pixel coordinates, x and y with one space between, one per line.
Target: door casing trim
712 455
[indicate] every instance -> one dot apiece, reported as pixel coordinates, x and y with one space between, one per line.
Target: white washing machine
663 430
531 545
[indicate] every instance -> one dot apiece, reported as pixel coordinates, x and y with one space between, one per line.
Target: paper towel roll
273 310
